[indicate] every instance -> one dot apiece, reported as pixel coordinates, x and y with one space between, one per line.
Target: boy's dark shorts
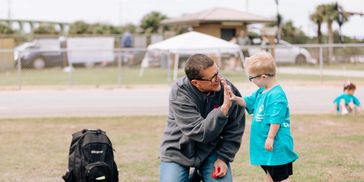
279 173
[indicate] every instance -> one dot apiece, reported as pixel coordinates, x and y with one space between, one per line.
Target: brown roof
217 15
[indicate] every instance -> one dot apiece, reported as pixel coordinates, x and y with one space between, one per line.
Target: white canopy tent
190 43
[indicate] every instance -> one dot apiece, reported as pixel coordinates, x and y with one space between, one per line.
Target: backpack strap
98 131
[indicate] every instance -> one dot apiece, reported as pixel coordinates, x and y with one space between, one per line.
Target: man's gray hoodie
196 126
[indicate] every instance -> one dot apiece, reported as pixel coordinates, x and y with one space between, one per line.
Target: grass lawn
111 76
36 149
337 66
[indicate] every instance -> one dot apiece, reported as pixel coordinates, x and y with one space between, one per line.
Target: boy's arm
334 108
239 100
271 135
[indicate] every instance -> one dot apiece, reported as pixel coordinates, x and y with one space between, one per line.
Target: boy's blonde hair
261 63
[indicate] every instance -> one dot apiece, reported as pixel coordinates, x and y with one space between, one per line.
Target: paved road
83 102
138 101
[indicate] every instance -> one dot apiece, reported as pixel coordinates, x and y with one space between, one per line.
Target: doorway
227 33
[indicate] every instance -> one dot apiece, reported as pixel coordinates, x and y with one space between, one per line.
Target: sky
119 12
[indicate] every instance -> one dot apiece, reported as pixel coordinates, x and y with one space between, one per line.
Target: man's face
210 80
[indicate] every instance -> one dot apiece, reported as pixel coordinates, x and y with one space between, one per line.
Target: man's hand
220 169
269 144
227 102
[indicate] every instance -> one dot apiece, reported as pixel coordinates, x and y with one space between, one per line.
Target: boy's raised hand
227 102
233 97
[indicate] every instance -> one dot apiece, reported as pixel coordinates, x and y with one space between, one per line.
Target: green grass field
111 76
341 66
330 148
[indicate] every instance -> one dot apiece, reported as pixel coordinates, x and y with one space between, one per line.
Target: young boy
347 102
271 143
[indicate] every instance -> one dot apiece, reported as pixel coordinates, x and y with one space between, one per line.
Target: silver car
285 53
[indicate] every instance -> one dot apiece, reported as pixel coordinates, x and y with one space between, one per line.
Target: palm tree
293 34
329 14
5 29
151 22
317 18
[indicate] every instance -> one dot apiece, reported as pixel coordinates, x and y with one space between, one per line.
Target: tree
289 32
150 23
292 34
329 14
99 28
317 17
79 27
6 29
45 29
129 28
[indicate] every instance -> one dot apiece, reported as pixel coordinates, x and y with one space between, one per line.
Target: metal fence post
70 76
19 70
321 64
120 79
169 66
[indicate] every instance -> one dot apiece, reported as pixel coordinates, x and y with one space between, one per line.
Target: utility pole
341 18
123 9
9 9
279 19
247 5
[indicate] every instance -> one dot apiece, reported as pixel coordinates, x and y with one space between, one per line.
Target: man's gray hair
195 64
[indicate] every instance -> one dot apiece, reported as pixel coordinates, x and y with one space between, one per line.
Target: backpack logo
100 178
97 151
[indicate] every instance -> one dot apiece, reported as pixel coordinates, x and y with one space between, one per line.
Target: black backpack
91 158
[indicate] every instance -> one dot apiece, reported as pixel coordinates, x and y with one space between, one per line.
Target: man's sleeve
192 124
232 134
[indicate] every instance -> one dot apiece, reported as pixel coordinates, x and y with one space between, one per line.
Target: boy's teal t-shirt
348 98
270 107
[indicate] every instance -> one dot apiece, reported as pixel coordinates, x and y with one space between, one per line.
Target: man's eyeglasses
212 79
253 77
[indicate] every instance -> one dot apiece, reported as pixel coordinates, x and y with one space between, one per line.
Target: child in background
347 102
271 143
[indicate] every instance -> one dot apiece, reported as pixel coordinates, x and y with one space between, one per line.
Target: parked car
285 53
85 51
40 53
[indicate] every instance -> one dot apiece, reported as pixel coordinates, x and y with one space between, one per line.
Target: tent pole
176 62
144 63
168 66
241 57
219 61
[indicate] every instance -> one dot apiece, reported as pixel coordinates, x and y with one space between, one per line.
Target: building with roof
219 22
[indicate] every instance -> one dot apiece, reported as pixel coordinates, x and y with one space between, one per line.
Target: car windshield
24 46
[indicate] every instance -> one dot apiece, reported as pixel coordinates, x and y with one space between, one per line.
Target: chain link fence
53 68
